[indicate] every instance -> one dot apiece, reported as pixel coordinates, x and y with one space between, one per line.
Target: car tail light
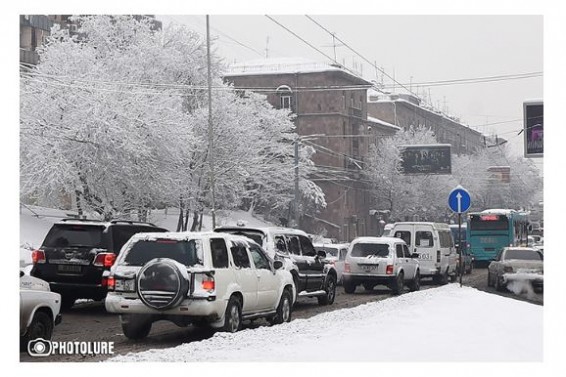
346 267
104 259
208 284
110 282
389 269
437 256
38 256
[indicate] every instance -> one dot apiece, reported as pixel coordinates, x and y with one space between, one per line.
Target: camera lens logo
39 348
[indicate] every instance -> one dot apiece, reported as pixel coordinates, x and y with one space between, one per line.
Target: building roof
289 65
383 123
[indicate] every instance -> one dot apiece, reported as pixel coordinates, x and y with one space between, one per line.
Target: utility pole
210 134
297 217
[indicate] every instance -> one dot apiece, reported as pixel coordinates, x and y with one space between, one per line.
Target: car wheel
41 326
398 284
233 315
499 286
67 302
284 309
444 278
135 327
330 289
416 283
349 287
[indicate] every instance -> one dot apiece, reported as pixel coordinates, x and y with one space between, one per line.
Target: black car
76 252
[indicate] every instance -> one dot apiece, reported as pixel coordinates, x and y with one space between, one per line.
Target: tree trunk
200 223
186 222
195 221
180 220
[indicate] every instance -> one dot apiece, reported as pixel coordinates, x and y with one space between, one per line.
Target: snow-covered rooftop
383 123
282 65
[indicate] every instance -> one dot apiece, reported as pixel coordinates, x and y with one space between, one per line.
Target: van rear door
427 247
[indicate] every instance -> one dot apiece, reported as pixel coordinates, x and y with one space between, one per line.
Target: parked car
336 254
313 274
39 310
372 261
516 263
76 252
434 244
467 261
210 279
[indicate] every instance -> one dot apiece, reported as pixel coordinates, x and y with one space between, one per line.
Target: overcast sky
412 49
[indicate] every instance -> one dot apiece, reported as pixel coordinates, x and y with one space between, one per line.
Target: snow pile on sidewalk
448 323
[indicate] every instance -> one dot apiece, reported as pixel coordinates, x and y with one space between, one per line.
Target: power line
516 76
361 56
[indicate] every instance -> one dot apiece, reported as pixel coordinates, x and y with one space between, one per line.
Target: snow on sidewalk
448 323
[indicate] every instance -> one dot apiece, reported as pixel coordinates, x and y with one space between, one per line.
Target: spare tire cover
162 283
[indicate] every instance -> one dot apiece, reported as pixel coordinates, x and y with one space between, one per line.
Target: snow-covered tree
117 117
426 195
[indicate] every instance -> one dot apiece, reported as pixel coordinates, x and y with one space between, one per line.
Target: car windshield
185 252
79 235
522 254
366 249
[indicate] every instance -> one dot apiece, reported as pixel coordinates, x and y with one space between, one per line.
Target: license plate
367 268
69 268
125 285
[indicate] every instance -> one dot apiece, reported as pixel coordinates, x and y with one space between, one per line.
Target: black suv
313 274
76 252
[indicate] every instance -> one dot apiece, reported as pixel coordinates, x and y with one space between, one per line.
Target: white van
433 242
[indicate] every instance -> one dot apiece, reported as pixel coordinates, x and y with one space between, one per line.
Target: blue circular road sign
459 200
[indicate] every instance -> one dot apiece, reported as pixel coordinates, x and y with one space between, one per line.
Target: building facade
330 108
404 110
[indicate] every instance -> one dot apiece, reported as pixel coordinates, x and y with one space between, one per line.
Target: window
367 249
306 245
188 253
285 102
404 235
399 250
522 254
294 247
445 239
260 260
280 244
219 253
406 251
424 239
75 235
343 253
240 255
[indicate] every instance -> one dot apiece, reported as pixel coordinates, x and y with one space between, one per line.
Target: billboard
426 159
499 174
533 128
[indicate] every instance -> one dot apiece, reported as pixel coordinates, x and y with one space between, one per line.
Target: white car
375 261
39 310
516 264
336 254
211 279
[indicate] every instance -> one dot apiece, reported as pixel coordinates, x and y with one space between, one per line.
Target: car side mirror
22 273
277 264
415 255
321 254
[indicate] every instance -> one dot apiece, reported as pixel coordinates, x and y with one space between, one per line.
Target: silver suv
375 261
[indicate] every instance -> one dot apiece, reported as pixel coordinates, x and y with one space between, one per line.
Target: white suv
211 279
373 261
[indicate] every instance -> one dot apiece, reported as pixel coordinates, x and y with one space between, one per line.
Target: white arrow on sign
459 197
